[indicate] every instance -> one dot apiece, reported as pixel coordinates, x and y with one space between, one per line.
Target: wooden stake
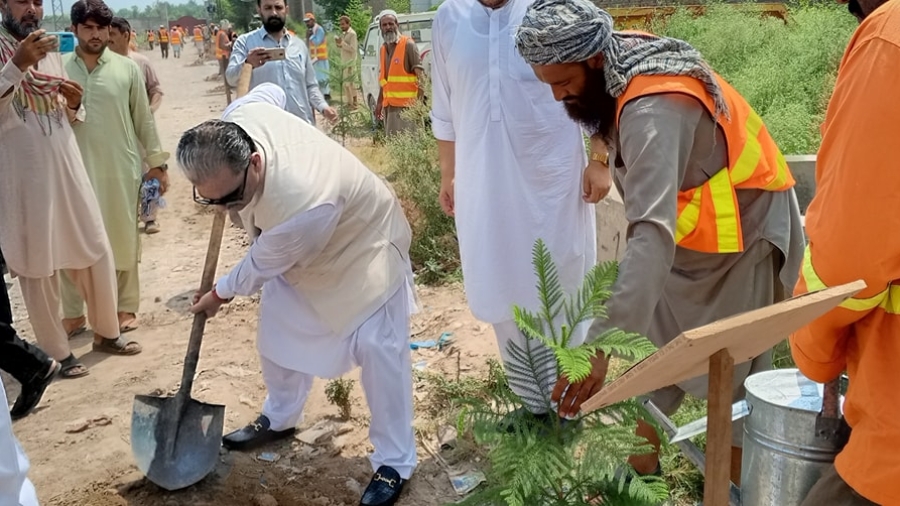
718 440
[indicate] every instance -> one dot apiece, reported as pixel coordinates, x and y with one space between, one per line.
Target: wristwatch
600 157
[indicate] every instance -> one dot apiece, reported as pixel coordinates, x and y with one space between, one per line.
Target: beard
274 24
390 37
19 29
594 109
92 46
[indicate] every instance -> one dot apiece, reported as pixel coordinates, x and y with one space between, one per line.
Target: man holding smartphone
293 72
40 163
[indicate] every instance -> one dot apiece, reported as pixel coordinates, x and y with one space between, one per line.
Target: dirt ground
78 439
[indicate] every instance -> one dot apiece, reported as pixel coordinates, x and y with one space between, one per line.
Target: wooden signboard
714 349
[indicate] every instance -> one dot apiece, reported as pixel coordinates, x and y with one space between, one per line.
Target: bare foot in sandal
117 346
127 322
74 326
72 368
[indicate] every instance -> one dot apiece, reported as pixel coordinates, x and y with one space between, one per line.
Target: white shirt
519 160
15 488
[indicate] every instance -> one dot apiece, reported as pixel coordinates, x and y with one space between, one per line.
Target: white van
417 26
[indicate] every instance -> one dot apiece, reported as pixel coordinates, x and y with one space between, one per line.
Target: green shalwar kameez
118 121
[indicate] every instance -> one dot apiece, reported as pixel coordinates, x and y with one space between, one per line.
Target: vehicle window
371 42
420 31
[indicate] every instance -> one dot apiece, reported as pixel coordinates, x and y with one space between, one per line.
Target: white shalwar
15 487
295 346
519 164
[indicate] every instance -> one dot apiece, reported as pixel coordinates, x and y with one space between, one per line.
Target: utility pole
56 7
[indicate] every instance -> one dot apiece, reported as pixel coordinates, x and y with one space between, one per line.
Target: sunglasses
232 198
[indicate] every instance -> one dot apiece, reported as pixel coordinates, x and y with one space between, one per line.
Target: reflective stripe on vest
176 37
198 35
163 36
399 88
319 51
887 299
709 218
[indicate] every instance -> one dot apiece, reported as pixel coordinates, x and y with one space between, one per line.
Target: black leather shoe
31 394
384 489
255 435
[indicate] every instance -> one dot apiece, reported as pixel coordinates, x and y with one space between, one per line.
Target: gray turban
571 31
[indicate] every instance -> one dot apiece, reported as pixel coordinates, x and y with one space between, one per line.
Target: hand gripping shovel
176 440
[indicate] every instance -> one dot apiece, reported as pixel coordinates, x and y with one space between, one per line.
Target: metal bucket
783 457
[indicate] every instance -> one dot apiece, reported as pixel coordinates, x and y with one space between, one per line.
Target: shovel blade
175 448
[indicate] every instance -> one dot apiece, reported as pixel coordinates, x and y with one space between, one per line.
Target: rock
353 486
321 501
264 500
317 432
158 299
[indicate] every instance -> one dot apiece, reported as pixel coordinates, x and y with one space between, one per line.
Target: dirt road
78 439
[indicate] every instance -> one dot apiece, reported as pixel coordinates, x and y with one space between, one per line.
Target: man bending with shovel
330 252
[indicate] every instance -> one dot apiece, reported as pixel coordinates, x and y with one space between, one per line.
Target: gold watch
600 157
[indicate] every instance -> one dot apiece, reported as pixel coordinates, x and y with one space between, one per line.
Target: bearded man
40 164
400 71
714 226
294 74
111 147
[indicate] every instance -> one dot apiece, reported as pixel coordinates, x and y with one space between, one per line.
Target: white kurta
519 160
15 488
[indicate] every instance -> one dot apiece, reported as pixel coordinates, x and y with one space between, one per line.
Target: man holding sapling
512 171
714 227
852 225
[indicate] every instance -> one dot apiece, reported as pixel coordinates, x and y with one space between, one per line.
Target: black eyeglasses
232 198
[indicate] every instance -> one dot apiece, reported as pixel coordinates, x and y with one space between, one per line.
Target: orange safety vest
709 219
198 35
163 35
151 37
221 37
399 88
176 36
319 51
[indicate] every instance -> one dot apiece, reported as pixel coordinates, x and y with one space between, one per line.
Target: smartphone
275 53
66 41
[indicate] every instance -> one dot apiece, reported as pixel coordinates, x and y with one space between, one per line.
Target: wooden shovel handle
243 84
206 283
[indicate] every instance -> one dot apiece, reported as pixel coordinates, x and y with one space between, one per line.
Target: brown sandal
117 346
74 326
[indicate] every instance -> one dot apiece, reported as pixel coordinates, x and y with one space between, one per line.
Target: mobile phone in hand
66 41
275 53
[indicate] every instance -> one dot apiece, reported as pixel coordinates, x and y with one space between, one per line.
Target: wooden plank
717 479
745 336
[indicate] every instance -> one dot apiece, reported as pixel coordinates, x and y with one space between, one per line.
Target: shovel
176 440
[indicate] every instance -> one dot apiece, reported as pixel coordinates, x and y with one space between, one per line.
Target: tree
400 6
360 16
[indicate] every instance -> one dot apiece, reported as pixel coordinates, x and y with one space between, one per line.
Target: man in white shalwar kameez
330 252
15 487
512 164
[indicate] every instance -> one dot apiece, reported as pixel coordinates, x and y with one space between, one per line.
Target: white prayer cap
266 92
387 12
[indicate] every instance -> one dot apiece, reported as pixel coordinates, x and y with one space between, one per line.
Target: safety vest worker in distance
198 34
399 88
708 218
319 51
176 36
163 35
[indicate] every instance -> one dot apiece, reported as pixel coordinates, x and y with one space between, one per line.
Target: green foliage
360 16
545 460
400 6
338 393
416 176
785 70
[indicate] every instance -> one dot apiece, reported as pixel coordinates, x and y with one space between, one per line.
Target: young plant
538 460
338 393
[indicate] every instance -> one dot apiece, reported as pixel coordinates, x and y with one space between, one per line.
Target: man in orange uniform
713 222
853 224
223 46
164 42
400 71
198 43
176 38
